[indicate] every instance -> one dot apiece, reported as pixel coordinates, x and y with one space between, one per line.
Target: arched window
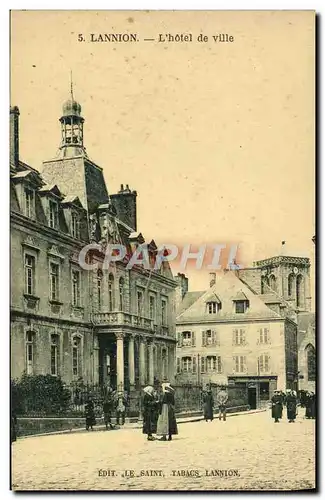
121 294
300 290
311 362
272 282
76 357
264 284
99 287
111 292
30 352
291 279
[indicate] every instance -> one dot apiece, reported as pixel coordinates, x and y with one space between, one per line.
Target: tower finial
71 84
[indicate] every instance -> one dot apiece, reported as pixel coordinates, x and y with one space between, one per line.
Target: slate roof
305 322
227 286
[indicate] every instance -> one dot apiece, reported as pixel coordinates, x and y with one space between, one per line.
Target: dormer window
29 203
54 214
213 307
241 306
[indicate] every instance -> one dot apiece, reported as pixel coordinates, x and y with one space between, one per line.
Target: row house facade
228 335
102 324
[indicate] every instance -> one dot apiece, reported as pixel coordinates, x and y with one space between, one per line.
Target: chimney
125 204
212 277
14 136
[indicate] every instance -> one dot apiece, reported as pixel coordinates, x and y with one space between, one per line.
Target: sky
216 138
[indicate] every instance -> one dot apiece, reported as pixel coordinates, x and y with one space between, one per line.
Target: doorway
252 397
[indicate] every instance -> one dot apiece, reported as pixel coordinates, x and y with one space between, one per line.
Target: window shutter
193 338
243 337
214 363
267 363
235 360
203 338
194 364
178 365
219 365
202 364
267 335
244 363
260 336
179 344
213 337
234 332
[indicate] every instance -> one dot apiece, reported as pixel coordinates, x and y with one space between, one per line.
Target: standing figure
166 425
310 405
150 412
222 398
90 414
208 404
291 401
277 406
13 427
121 402
108 408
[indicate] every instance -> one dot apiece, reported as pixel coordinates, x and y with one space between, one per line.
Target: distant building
307 351
105 325
227 334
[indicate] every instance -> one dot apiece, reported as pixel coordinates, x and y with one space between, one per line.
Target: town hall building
105 325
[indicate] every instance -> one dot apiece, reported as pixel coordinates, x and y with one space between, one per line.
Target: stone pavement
247 452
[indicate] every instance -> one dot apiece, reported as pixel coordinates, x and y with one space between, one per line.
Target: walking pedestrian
291 401
222 398
108 408
150 412
277 406
166 425
90 414
208 403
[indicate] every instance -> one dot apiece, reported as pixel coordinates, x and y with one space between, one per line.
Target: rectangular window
54 354
29 352
54 281
140 303
187 364
75 225
76 357
54 215
76 288
186 339
29 274
263 363
239 336
240 364
29 203
264 336
240 306
152 307
164 312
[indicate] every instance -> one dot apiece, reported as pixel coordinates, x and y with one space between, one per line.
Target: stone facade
108 324
227 334
307 351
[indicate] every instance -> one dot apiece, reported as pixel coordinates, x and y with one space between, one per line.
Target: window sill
27 296
55 302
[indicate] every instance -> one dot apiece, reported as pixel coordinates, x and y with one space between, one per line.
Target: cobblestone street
266 456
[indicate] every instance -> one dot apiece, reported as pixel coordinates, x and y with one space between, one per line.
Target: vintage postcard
162 204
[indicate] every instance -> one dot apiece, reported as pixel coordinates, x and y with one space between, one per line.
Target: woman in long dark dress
90 414
277 406
291 406
167 425
150 412
208 403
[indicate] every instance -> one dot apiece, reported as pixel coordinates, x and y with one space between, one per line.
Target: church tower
72 143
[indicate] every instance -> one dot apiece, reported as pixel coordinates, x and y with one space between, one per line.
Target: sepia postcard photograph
162 250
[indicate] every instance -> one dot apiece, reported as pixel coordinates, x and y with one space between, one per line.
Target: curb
136 425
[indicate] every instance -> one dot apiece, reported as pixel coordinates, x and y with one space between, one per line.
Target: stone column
120 360
151 365
142 362
131 361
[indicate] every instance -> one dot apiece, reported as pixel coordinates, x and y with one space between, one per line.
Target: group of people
158 408
290 400
208 403
113 401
